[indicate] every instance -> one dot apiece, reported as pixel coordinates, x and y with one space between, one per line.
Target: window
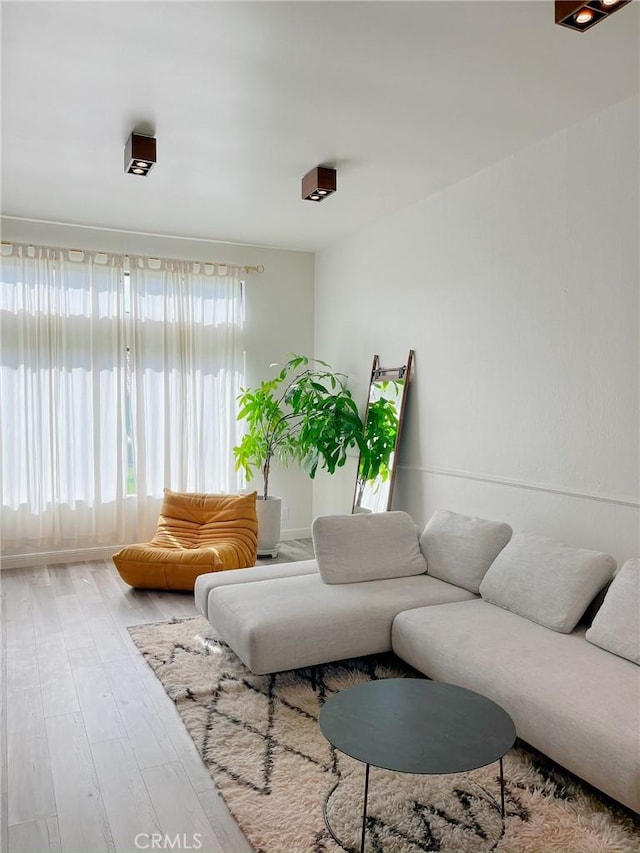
114 385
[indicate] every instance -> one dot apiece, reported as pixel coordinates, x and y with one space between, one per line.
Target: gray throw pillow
459 548
546 581
616 626
353 548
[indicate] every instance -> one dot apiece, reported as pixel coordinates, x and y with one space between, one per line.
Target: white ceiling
245 97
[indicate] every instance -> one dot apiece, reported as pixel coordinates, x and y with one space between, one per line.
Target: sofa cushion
571 700
459 548
616 626
293 622
546 581
367 547
212 580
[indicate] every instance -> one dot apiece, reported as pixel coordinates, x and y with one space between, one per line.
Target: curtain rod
244 267
247 268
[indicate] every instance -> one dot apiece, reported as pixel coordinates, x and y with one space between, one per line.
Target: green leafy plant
306 413
381 433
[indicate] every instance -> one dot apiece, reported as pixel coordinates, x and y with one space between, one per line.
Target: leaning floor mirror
386 405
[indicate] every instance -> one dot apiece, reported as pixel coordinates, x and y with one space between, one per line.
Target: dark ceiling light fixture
139 154
319 183
582 16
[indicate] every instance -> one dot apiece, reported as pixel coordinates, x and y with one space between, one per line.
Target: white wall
518 290
279 314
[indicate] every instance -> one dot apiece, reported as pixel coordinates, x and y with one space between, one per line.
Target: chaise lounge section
269 628
368 569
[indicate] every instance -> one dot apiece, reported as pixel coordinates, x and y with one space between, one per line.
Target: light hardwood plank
173 604
61 581
74 621
108 639
138 599
134 616
144 604
22 667
290 551
20 632
99 710
4 821
58 688
24 710
82 819
19 655
138 605
124 793
78 639
45 614
60 697
39 576
96 612
179 809
16 589
149 739
85 655
39 836
163 606
51 653
185 748
30 782
82 579
107 585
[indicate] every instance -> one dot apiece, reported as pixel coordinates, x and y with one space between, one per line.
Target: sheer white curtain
187 369
109 393
61 399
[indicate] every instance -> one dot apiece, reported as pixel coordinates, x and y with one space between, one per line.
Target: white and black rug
260 739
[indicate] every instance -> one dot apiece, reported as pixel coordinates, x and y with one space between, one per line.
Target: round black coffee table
414 725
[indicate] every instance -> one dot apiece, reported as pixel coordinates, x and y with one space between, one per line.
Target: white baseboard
295 533
45 558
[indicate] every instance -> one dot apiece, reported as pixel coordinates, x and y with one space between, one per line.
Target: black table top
414 725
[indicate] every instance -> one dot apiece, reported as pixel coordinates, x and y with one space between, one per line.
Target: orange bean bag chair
196 533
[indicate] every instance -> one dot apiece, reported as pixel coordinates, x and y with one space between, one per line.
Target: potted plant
305 414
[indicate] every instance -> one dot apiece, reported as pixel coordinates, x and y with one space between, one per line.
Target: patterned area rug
260 739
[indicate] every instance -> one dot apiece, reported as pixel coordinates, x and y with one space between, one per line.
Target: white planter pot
269 514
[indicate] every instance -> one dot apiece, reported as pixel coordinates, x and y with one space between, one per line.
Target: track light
139 154
582 16
319 183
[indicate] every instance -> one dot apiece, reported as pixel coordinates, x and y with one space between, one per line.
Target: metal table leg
501 790
364 811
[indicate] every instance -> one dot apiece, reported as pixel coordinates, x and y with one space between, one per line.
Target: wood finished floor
92 751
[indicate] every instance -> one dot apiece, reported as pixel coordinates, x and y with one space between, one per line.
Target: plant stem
265 476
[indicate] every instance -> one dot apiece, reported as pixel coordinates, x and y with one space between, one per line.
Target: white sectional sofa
467 603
